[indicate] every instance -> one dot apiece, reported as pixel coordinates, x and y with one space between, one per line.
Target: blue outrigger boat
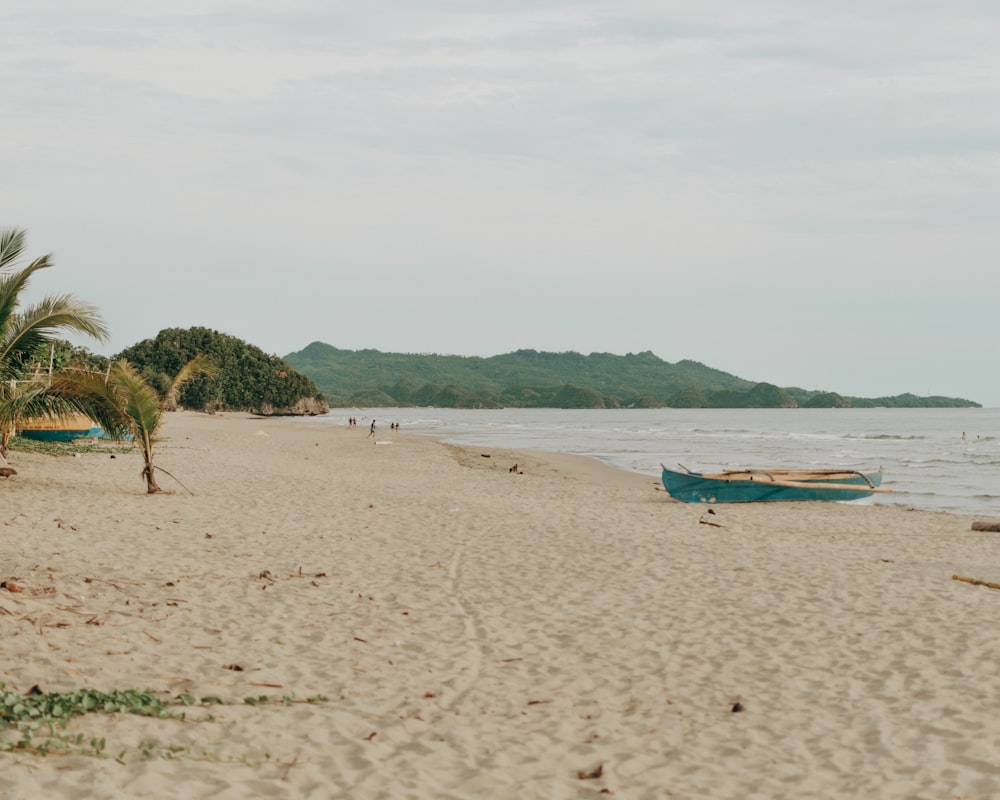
59 429
770 485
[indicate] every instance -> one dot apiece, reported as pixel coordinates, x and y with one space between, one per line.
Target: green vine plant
82 445
40 719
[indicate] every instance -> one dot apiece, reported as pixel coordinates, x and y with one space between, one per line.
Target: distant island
534 379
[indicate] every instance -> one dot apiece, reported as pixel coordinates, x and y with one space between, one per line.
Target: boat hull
763 487
59 430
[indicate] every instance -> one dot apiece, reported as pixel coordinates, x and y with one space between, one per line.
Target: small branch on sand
161 469
976 582
590 774
704 521
986 525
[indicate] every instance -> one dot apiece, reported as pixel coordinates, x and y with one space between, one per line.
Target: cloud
569 148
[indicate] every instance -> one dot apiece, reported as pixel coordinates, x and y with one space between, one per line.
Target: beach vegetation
66 355
71 448
125 405
40 719
26 332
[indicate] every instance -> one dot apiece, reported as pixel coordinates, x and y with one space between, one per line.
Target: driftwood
976 582
986 525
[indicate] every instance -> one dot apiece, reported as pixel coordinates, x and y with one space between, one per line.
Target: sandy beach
443 627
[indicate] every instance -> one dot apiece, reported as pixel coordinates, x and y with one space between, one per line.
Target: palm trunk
147 473
147 470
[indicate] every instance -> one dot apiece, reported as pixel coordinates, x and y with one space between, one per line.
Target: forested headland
535 379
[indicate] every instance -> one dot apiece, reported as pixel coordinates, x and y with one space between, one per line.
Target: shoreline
923 457
483 633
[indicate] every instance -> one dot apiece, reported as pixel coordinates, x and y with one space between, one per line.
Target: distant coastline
536 379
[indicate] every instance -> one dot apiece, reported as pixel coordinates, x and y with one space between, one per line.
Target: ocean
926 460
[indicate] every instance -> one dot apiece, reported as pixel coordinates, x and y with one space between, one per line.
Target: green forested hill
529 378
248 379
501 380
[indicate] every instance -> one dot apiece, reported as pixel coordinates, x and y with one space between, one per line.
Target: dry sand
566 632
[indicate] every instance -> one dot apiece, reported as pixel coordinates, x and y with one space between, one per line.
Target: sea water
935 459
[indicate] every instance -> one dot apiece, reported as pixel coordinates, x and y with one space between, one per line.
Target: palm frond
13 284
32 401
91 393
15 403
11 246
141 403
21 334
199 365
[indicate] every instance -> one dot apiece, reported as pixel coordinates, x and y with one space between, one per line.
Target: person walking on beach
372 431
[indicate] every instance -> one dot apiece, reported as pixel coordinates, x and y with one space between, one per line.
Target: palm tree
122 403
23 332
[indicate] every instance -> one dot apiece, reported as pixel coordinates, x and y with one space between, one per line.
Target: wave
887 436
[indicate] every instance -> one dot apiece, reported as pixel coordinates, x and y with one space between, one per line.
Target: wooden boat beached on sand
59 429
770 485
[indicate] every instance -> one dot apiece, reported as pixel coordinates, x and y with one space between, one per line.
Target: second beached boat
754 486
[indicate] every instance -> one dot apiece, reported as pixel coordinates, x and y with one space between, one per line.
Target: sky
799 192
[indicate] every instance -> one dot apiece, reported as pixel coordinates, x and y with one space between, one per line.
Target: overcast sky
795 191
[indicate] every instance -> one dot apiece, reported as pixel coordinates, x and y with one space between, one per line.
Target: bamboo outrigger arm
846 487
